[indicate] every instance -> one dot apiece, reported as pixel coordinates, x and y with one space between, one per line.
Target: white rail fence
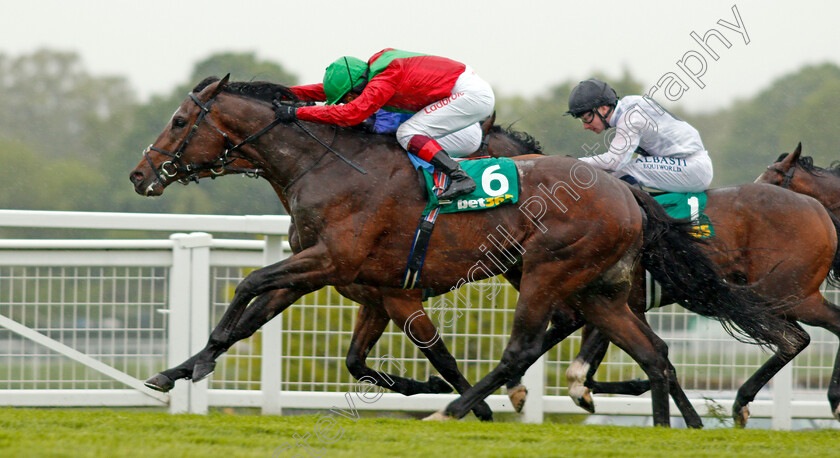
83 322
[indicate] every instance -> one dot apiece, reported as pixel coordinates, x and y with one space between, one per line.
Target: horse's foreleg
303 272
198 366
262 309
292 277
747 392
816 311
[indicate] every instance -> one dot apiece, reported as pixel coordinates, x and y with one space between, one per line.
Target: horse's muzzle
145 185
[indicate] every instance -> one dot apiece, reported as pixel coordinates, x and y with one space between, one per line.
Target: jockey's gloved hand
286 113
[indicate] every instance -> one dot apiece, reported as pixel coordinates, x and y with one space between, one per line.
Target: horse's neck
500 144
826 189
290 154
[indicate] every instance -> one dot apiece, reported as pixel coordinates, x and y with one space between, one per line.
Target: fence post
199 245
272 341
178 322
534 380
188 314
782 396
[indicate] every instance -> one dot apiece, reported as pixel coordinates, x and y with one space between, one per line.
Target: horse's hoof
160 383
438 385
202 370
586 402
837 413
582 397
482 412
438 416
740 415
517 396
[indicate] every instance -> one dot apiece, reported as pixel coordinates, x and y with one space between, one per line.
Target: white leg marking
576 375
438 416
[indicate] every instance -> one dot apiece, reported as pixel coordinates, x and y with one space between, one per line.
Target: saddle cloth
688 205
496 179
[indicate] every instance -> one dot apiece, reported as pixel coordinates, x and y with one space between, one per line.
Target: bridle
787 176
218 166
222 163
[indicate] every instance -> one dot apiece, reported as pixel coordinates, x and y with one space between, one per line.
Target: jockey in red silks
447 99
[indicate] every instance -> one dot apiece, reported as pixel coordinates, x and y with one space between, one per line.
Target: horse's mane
260 90
807 164
524 139
269 92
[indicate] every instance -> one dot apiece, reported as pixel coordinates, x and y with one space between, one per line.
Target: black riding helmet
589 95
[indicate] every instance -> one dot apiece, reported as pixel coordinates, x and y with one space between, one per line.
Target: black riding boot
459 182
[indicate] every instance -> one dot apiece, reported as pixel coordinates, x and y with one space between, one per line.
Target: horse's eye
178 123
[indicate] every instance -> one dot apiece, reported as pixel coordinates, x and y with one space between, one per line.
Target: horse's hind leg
580 372
638 340
414 322
406 309
371 322
631 387
517 392
407 312
538 303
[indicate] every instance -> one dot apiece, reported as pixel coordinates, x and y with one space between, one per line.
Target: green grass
84 432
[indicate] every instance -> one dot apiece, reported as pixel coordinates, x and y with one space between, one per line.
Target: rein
328 147
312 166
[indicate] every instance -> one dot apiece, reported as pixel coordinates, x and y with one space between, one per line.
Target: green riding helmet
589 95
342 76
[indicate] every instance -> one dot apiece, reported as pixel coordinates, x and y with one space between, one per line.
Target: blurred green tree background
68 138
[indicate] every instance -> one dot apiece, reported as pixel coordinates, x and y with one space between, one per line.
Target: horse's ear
488 124
222 83
797 151
791 159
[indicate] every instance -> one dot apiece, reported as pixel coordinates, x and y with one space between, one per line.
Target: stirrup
452 191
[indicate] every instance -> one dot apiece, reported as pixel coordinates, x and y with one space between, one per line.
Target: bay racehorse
824 186
380 306
577 233
782 243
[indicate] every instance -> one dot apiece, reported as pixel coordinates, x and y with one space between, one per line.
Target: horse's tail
673 257
834 273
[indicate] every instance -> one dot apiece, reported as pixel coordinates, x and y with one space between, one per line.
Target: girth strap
420 244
